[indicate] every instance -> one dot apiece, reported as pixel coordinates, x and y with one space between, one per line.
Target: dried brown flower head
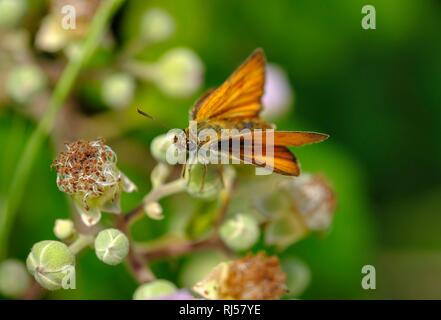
87 171
253 277
86 167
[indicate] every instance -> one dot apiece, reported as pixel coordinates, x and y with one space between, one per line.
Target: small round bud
154 290
14 279
179 72
160 145
203 181
154 210
50 36
11 12
64 228
240 232
285 230
50 262
74 50
117 90
111 246
298 276
25 82
157 25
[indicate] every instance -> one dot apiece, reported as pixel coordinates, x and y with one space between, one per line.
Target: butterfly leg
220 171
190 167
204 174
183 171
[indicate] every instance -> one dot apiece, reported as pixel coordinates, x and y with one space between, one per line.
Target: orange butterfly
236 104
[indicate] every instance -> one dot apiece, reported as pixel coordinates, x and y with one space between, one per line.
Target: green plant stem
80 243
46 124
155 194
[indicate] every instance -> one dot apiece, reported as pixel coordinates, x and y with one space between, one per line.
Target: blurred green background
376 92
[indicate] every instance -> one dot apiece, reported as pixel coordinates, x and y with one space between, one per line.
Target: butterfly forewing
239 96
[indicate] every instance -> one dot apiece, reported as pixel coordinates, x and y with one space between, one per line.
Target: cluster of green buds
178 73
87 171
253 277
52 263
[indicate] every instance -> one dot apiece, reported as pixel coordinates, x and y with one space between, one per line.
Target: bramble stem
80 243
155 194
46 124
179 249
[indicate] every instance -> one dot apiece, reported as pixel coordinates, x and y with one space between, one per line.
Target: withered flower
253 277
87 171
314 200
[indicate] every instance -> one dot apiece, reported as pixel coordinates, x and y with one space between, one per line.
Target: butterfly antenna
145 114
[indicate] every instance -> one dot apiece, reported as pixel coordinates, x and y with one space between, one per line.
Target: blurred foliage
376 92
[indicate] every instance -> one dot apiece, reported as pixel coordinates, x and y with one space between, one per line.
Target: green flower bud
154 290
240 232
203 182
74 50
11 12
25 82
154 210
160 145
51 263
51 37
285 231
64 228
117 90
298 276
111 246
179 72
157 25
14 279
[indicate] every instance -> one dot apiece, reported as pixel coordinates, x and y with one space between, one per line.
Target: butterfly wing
239 97
270 152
